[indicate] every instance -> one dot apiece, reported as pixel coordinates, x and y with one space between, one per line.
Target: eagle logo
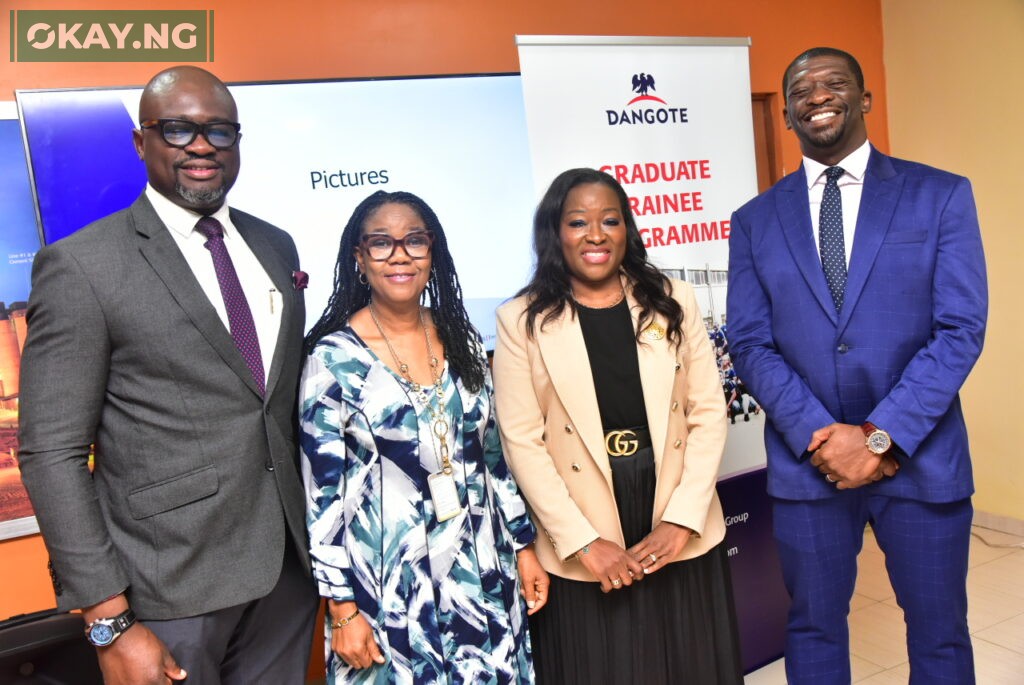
642 83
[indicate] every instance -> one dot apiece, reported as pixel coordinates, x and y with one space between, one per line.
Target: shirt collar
854 164
183 221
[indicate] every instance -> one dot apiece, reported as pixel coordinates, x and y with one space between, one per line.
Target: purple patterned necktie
243 330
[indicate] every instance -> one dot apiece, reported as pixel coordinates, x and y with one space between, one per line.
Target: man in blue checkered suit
859 373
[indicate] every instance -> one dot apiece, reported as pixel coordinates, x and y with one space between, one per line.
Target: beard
830 136
208 197
827 138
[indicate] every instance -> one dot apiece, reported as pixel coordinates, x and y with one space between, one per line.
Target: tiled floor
995 591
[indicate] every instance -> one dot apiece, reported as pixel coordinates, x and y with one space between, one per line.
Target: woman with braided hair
417 530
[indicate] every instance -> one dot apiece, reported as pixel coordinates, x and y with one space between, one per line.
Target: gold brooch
654 332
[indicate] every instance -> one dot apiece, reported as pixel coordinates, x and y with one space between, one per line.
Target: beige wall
954 72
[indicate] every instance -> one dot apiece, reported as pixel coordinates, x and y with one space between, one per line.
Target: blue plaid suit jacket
910 330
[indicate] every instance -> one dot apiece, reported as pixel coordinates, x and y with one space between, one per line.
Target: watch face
101 635
879 442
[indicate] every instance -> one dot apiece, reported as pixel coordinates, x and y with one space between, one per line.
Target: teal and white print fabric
442 598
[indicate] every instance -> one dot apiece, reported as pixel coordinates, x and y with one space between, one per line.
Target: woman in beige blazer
613 421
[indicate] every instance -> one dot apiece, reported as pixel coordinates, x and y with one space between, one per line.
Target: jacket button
269 466
843 348
568 428
675 405
677 443
58 588
577 468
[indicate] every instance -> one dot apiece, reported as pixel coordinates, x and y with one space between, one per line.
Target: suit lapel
657 376
882 189
791 203
161 252
565 357
280 274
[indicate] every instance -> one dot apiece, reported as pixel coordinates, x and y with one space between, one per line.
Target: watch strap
124 621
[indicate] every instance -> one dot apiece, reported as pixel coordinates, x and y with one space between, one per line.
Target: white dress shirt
851 185
263 298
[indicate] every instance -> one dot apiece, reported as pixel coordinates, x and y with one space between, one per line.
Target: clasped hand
617 568
841 454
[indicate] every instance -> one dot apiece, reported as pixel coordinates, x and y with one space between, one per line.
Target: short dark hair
851 61
550 290
461 340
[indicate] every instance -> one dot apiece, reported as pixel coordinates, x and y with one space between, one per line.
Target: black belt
625 442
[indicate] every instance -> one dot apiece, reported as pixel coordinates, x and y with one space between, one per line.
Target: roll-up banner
670 119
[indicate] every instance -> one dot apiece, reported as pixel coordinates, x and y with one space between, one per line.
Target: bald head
196 176
184 77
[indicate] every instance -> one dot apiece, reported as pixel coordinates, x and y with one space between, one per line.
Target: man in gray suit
169 335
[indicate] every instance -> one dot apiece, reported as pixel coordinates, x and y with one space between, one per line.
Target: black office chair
47 648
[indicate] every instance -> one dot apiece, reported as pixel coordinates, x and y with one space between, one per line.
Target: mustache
842 106
192 157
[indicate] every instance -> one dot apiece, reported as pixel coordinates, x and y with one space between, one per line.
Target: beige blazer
554 443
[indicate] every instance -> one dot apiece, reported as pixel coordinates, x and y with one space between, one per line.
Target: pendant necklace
442 484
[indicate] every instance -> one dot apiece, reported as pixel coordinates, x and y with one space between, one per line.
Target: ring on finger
829 478
616 582
653 557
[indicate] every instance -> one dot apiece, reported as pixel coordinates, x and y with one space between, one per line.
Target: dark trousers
925 547
263 642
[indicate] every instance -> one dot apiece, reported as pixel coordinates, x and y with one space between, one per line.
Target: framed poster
19 240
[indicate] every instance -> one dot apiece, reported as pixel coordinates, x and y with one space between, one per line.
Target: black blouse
611 347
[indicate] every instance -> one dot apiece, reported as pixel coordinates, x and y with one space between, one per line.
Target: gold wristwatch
876 439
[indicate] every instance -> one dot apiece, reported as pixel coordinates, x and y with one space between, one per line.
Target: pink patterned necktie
243 330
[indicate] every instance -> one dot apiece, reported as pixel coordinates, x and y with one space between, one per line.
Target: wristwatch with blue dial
103 631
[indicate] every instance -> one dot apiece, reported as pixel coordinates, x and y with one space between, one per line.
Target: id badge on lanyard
444 495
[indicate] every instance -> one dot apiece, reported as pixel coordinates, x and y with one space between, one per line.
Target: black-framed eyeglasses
380 246
222 135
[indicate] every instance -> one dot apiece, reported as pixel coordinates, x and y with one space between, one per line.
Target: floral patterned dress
442 598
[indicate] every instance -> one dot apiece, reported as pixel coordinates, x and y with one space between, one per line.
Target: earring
362 278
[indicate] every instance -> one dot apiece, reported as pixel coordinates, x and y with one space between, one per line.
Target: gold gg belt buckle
621 443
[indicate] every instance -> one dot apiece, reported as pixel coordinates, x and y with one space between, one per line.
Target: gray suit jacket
195 486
